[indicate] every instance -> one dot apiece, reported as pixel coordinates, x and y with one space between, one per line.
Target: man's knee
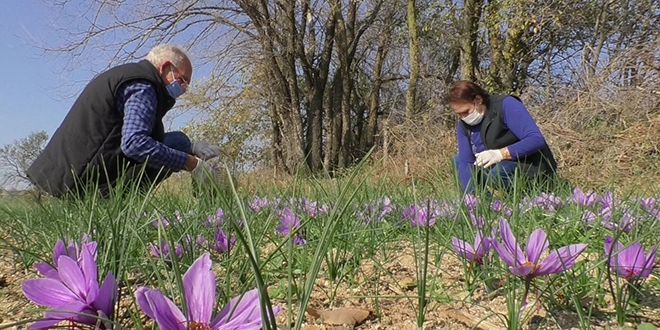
178 140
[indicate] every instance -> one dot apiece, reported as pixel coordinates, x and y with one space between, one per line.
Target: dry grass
601 140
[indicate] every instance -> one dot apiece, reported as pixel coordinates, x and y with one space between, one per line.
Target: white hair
167 52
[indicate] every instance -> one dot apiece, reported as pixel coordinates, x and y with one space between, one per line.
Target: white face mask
474 118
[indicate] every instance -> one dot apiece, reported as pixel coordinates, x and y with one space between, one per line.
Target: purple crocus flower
583 199
290 225
588 216
477 221
72 251
419 216
608 200
242 312
500 207
626 222
630 262
289 222
473 253
548 202
161 221
164 250
375 212
75 295
217 219
470 202
648 203
528 264
258 203
221 243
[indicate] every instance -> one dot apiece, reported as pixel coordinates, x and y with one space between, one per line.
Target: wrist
192 163
506 155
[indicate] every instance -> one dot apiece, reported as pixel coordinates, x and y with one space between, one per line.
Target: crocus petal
199 289
76 311
650 261
504 253
107 295
143 303
59 314
609 240
91 248
47 270
59 250
90 272
47 292
166 314
481 244
72 276
560 260
631 260
463 248
237 308
536 245
510 242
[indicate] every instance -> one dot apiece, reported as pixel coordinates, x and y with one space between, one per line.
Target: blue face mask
174 88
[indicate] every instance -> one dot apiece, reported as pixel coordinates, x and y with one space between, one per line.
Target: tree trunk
414 60
374 95
469 56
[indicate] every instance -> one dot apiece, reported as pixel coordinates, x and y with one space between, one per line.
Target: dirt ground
396 304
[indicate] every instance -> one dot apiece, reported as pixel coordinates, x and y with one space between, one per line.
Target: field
351 252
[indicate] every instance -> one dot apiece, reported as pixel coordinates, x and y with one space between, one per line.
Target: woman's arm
523 126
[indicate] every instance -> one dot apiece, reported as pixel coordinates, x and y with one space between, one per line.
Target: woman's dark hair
465 91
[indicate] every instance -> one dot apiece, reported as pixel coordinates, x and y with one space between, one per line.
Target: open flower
73 251
419 216
164 250
473 253
75 295
528 264
221 243
258 203
290 225
242 312
630 262
581 198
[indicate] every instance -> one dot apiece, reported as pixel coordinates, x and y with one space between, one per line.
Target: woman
496 137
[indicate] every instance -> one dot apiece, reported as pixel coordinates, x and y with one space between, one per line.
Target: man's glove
488 158
205 150
203 173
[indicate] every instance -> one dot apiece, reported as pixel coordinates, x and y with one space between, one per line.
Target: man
114 131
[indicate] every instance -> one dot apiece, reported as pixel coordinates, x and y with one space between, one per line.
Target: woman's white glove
488 158
205 150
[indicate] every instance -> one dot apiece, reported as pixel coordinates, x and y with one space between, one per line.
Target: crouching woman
498 140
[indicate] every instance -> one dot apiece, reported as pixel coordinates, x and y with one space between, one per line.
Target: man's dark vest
495 135
86 148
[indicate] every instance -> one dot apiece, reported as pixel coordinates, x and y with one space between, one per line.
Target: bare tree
16 158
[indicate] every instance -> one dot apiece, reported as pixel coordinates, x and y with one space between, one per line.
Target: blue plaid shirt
136 102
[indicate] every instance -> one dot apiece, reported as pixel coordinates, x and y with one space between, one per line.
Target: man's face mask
474 118
174 88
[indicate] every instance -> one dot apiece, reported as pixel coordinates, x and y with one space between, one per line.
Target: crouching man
114 131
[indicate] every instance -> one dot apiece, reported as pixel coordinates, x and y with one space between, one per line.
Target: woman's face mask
474 118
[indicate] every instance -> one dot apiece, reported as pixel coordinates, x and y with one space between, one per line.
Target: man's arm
136 101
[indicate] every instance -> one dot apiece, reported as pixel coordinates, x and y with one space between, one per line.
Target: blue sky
30 99
36 88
